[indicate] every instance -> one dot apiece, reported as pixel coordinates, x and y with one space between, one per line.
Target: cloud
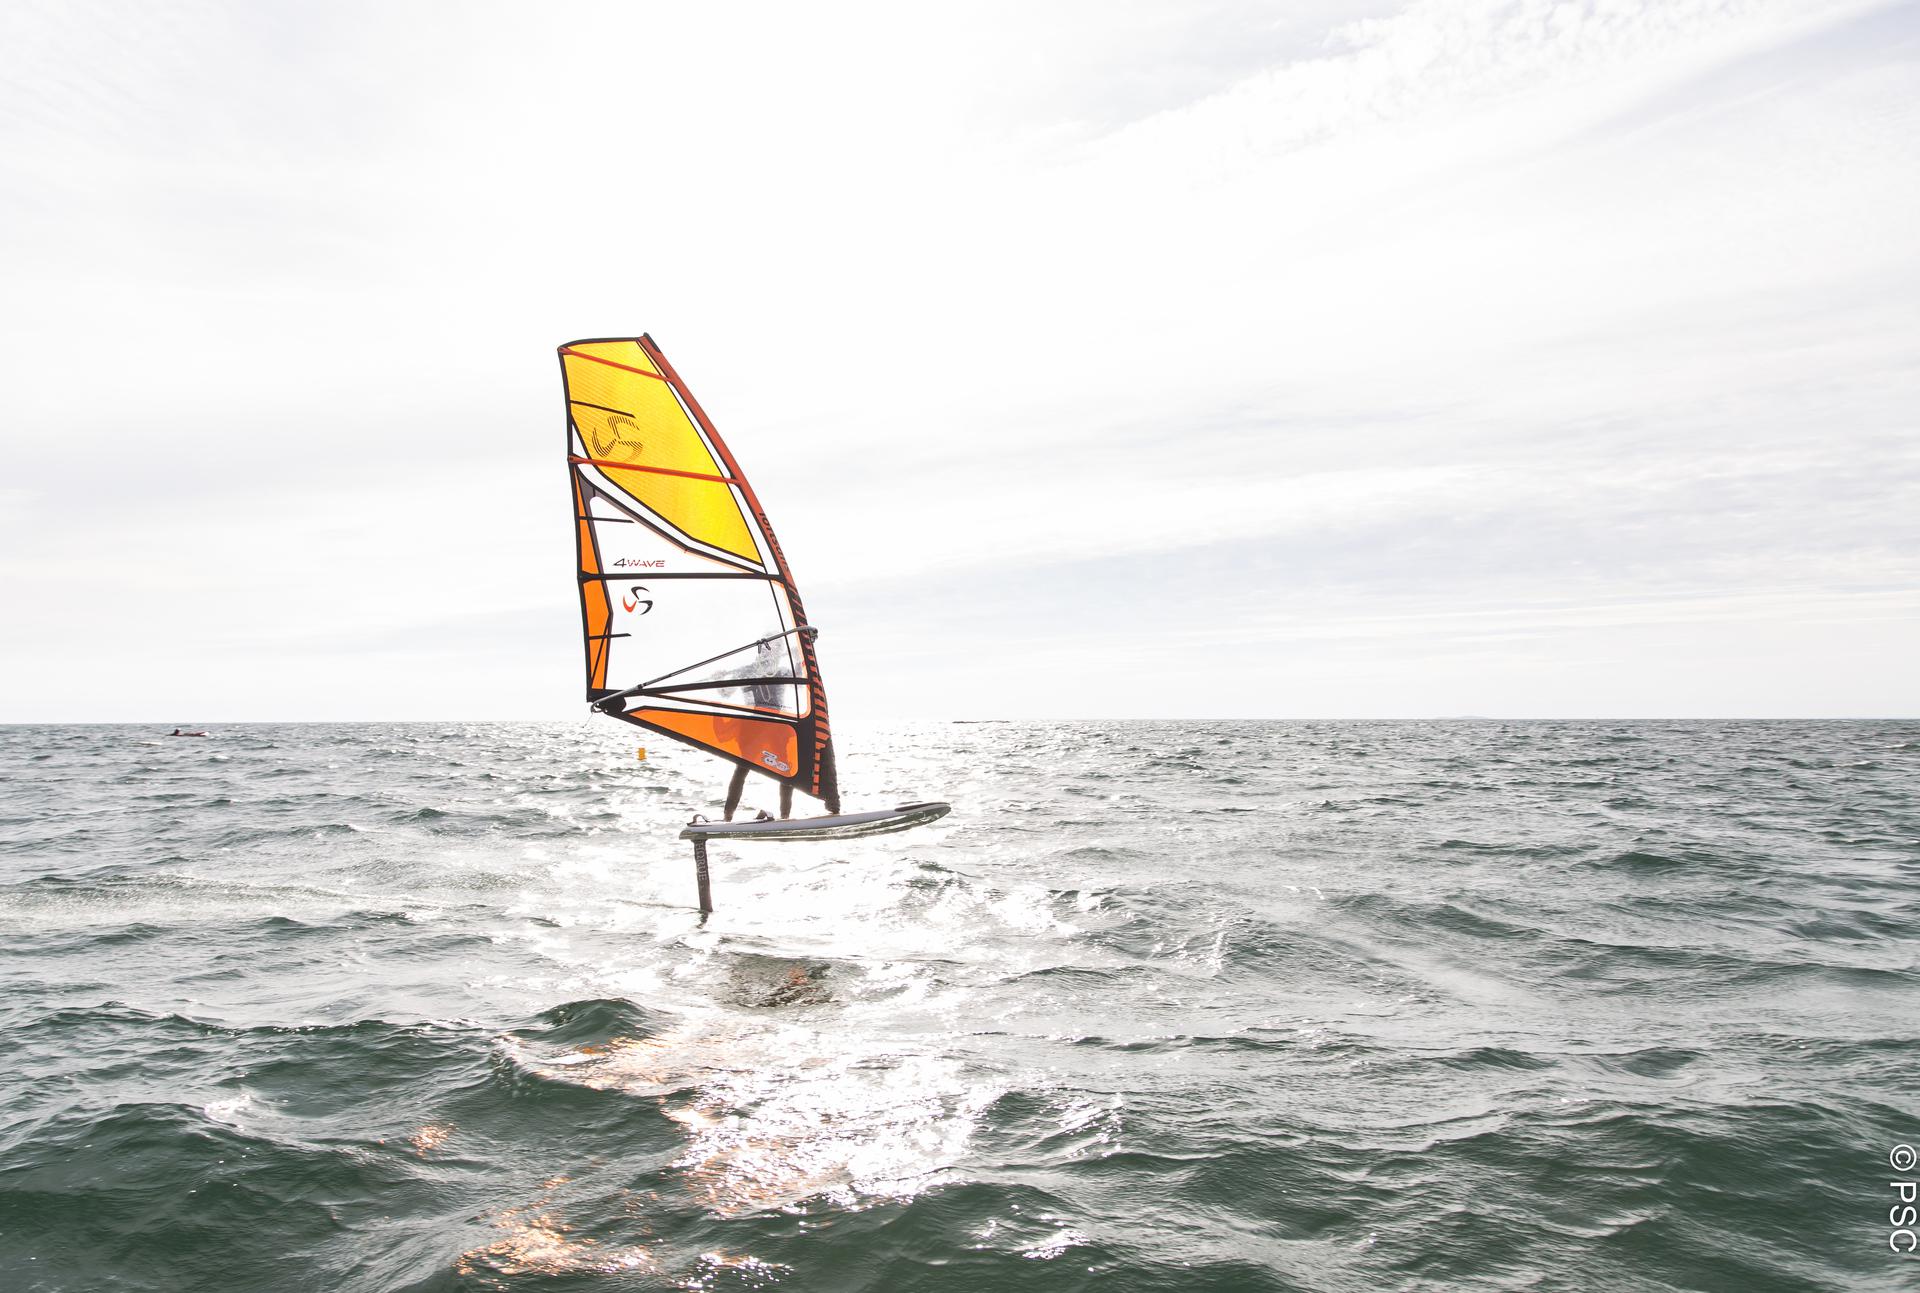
1363 312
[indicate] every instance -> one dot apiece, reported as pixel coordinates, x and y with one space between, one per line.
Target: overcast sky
1092 359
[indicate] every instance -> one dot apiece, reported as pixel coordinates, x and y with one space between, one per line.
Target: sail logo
633 603
775 762
620 432
635 563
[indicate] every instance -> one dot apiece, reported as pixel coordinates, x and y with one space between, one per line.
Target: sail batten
678 567
597 359
658 471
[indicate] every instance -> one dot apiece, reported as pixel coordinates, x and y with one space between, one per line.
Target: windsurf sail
692 625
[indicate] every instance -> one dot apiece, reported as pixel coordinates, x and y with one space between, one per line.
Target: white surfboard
841 827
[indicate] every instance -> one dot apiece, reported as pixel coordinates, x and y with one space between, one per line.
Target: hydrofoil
842 826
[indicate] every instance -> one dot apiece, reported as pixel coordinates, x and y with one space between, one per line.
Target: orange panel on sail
593 595
768 746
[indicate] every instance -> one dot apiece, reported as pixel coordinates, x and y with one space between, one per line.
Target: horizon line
1336 718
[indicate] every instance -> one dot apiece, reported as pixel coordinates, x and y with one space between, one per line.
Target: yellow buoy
643 753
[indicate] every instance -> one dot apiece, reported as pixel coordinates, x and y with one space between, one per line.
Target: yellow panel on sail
637 433
701 509
630 418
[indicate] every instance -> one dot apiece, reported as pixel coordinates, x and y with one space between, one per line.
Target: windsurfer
767 667
735 787
770 666
739 784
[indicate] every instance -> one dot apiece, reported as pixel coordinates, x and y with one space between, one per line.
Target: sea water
1181 1006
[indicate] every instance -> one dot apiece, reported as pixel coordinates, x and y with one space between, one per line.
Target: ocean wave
1307 1006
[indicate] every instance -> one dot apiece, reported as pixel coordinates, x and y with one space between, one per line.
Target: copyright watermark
1904 1215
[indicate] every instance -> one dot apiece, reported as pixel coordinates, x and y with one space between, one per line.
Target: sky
1217 359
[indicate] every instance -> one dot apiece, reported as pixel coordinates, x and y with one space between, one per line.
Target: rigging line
759 642
585 404
595 359
723 684
677 574
712 707
658 471
659 525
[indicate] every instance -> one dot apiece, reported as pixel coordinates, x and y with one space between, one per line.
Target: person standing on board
768 675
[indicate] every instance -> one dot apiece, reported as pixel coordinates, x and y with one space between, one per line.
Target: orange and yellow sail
691 622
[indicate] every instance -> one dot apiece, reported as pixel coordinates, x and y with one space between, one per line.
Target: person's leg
735 787
830 784
786 800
